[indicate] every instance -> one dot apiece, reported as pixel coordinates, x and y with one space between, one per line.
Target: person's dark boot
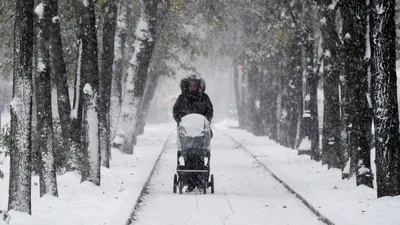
190 188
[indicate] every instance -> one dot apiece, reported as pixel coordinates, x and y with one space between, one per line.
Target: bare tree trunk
21 110
90 78
109 17
237 92
355 29
148 96
332 154
136 77
124 11
384 97
77 106
58 67
47 171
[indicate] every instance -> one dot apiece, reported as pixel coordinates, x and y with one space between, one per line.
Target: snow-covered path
244 193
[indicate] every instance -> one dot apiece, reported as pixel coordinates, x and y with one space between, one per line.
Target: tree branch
6 20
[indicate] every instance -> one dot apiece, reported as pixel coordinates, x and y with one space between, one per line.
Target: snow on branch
88 89
142 32
39 10
333 5
16 104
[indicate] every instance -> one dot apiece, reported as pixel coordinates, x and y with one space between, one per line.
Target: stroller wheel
175 182
180 186
205 187
212 183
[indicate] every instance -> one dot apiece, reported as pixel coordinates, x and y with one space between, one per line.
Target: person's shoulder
206 96
181 97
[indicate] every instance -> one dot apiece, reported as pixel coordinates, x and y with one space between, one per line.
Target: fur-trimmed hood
200 83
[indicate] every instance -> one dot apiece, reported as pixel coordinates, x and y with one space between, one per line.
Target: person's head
192 84
193 87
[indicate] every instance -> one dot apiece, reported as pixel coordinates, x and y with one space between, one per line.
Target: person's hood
200 83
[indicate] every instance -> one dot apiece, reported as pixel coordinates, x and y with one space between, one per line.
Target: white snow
339 200
41 66
88 89
15 103
55 19
39 10
323 21
84 203
380 9
244 194
142 29
305 144
142 33
333 5
327 53
137 48
86 3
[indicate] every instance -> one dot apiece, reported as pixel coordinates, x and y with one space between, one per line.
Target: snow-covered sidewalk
245 193
338 200
84 203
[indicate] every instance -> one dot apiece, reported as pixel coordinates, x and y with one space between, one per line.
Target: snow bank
339 200
85 203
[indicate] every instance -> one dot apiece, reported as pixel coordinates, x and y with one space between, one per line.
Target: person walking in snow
193 99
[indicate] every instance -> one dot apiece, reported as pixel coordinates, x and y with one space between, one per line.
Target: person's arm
209 109
177 109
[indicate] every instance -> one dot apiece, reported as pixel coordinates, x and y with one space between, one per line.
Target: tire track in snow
321 217
145 187
255 197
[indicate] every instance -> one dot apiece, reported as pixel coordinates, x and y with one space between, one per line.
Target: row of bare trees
286 51
99 83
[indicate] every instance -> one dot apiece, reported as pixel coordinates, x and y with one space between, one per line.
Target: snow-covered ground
85 203
244 193
339 200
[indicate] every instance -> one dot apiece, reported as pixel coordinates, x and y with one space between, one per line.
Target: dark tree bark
58 67
314 124
90 83
356 74
47 169
109 27
21 110
384 97
253 102
295 94
77 106
331 137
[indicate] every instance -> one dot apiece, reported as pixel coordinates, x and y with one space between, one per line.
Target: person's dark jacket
188 103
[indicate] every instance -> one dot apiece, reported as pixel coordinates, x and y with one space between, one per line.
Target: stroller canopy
194 125
194 132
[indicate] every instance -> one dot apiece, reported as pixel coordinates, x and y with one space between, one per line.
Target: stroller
193 156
